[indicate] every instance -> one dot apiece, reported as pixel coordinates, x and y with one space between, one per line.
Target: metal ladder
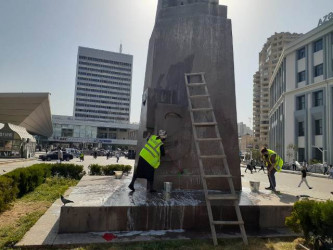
195 124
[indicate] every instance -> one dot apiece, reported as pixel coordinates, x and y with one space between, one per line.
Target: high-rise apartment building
243 129
103 86
268 58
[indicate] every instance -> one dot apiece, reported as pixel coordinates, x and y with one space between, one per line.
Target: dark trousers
271 178
150 184
262 168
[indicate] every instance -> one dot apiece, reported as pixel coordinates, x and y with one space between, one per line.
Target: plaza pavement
7 165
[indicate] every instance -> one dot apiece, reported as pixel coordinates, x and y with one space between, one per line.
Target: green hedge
96 169
314 219
24 180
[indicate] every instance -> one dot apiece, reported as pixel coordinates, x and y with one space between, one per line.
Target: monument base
106 204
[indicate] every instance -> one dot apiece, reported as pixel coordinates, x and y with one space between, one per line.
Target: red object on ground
109 236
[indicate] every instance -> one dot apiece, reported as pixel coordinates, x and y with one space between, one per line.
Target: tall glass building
103 86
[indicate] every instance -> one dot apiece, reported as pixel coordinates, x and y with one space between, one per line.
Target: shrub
95 169
108 170
314 219
8 191
24 180
127 168
71 171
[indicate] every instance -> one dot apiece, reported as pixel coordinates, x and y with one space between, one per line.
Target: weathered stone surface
103 203
189 37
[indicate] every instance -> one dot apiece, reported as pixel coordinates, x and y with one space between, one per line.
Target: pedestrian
253 165
60 155
108 155
304 177
294 165
262 167
117 156
95 154
274 164
248 167
325 165
81 156
331 172
149 160
46 150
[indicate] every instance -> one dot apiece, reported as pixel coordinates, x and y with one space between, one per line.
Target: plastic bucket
118 174
254 185
167 187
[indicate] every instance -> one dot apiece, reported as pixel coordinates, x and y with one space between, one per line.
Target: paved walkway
7 165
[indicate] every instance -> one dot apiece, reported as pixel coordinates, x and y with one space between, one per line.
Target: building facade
301 92
71 132
268 58
243 129
103 86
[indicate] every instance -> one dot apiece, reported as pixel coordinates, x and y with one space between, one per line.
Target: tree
291 149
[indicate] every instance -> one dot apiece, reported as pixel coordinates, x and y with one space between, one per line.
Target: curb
299 173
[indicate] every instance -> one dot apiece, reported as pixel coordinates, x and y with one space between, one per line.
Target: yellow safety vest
278 160
151 151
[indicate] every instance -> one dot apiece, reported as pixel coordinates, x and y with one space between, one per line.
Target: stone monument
190 36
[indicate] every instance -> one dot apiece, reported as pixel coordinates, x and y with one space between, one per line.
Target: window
300 102
318 45
317 154
65 132
318 70
300 128
319 127
301 76
318 98
301 154
300 53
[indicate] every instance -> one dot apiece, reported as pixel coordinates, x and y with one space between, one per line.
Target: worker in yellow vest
149 160
274 164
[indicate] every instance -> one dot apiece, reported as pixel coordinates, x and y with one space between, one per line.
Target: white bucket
118 174
254 185
167 187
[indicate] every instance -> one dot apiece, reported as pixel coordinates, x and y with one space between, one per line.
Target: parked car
73 151
54 156
99 152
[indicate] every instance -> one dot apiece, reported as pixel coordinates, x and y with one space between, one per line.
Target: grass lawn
25 212
254 244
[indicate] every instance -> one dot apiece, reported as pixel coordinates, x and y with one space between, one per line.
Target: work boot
131 186
268 188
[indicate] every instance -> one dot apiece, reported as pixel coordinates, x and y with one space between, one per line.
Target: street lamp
322 152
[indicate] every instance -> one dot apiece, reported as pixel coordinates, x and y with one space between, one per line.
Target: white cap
162 134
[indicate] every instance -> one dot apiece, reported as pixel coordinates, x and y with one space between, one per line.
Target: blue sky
39 40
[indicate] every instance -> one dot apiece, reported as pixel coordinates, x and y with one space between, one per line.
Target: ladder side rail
226 166
202 173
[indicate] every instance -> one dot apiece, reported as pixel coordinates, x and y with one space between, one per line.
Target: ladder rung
228 222
209 139
218 176
204 123
196 84
222 197
198 96
195 74
202 109
212 156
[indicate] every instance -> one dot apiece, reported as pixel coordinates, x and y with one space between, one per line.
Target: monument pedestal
106 204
